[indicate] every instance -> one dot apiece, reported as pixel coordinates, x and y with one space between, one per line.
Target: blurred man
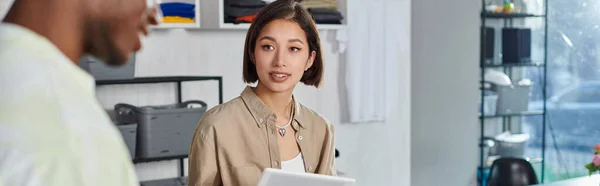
53 132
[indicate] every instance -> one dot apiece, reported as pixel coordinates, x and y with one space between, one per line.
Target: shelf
509 15
496 62
179 181
177 25
526 113
246 26
165 79
534 160
511 65
160 159
530 160
241 26
330 27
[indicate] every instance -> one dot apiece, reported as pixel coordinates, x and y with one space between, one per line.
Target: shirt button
309 168
299 137
260 120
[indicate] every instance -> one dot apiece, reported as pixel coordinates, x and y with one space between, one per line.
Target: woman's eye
268 47
295 49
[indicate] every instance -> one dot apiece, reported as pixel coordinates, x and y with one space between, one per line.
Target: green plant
595 164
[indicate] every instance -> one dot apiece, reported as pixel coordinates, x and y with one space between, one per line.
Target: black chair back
511 172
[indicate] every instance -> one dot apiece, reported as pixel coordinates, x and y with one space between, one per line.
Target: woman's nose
280 59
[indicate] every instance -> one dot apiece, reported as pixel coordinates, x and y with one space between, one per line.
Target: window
581 95
572 128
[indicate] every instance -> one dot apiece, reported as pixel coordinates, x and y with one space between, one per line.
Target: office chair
511 172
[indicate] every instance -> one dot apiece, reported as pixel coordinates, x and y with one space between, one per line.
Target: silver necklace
282 129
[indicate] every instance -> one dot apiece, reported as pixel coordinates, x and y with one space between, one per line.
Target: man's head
112 28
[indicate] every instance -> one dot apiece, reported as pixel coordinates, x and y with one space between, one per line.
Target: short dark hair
289 10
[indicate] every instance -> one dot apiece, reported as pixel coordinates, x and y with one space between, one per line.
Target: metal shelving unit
168 79
511 65
508 19
526 113
508 15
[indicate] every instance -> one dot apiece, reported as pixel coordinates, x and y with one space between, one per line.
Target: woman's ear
311 60
252 58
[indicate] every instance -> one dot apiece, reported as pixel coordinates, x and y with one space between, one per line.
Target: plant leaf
589 166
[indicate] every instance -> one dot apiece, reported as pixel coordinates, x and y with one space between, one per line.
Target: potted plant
595 164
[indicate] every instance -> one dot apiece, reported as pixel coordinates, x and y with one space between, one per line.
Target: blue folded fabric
178 9
180 6
175 10
180 14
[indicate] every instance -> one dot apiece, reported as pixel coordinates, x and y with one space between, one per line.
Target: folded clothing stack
176 12
326 15
330 4
242 11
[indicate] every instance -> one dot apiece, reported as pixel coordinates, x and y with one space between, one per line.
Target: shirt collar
261 112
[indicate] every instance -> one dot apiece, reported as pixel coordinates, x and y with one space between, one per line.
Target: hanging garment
372 57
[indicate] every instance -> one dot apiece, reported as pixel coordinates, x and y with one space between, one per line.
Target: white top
294 165
53 132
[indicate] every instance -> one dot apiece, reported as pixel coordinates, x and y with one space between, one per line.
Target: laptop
277 177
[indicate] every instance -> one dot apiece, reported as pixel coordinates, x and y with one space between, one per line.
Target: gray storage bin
101 71
509 145
512 99
490 99
163 131
129 133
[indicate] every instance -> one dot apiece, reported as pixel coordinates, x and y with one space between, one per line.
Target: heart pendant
282 132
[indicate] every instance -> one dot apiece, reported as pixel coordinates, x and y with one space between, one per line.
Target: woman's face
281 55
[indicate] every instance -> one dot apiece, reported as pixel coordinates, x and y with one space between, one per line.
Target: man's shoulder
27 58
21 70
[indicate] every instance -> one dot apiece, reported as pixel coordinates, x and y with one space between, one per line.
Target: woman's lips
279 77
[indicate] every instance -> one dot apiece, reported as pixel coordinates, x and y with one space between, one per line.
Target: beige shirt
237 140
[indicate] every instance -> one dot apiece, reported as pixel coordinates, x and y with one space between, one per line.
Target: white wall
4 5
445 128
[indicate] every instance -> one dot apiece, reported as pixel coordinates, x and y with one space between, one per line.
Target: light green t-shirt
53 131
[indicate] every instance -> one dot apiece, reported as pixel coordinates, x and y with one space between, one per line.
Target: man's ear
311 60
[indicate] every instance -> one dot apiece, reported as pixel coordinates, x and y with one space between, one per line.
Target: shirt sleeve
327 162
203 168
